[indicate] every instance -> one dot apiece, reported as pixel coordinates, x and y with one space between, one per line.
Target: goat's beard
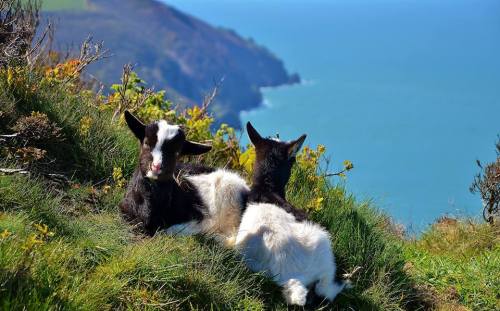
151 175
162 176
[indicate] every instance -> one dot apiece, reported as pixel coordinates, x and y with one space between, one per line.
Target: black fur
272 170
155 205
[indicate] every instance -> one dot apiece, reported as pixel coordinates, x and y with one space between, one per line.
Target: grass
460 260
89 259
94 262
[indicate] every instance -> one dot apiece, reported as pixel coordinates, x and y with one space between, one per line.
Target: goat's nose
155 167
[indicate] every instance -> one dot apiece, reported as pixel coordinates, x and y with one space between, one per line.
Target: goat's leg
294 292
328 288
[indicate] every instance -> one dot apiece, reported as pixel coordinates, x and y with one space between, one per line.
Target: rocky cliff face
175 51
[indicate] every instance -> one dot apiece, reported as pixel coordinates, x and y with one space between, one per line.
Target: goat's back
261 195
271 240
224 195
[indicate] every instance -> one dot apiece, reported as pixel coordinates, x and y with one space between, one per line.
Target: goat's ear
191 148
294 146
254 136
135 125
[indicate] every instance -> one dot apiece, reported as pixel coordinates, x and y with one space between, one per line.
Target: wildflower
118 177
106 189
247 159
348 165
10 76
44 230
32 242
5 234
316 204
85 124
321 149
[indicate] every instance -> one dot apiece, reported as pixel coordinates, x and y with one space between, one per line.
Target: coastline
265 102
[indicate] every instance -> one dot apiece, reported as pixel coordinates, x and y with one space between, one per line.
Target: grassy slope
93 260
460 260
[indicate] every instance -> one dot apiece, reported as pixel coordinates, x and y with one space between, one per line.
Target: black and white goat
275 237
180 198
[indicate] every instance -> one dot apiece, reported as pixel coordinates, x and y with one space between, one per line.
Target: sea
407 90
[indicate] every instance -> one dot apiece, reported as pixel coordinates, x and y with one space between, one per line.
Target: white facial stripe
275 139
165 133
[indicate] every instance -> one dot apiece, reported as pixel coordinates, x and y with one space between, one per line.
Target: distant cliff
175 51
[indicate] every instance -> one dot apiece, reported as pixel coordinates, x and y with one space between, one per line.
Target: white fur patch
222 193
165 132
295 254
151 175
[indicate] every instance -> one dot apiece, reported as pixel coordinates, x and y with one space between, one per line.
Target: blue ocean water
408 90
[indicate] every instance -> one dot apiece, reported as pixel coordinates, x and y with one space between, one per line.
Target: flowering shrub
150 106
62 72
28 244
16 80
308 168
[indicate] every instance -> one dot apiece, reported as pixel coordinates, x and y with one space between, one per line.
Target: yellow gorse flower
31 242
10 75
118 177
5 234
43 230
85 124
321 149
247 159
348 165
64 71
316 204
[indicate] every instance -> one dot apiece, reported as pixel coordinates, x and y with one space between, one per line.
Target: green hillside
173 51
55 5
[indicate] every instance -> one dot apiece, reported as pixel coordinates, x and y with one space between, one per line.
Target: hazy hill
171 50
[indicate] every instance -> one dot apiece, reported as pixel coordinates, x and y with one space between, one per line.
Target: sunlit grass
460 260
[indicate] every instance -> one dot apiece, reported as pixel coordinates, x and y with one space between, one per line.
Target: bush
487 184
